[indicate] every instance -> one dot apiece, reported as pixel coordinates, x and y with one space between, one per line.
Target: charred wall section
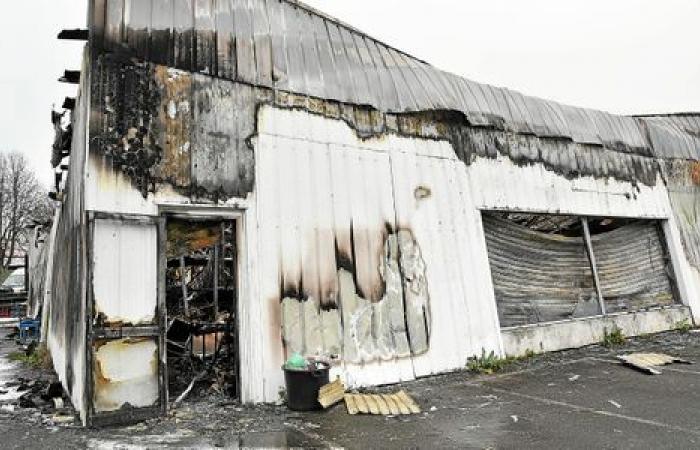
193 132
683 182
286 46
163 126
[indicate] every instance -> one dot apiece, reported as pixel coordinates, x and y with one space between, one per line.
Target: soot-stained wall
159 126
339 287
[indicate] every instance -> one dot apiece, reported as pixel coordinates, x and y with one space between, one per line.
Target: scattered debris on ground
331 393
647 362
34 392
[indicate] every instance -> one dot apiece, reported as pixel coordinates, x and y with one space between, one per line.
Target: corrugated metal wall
327 206
169 133
341 227
67 311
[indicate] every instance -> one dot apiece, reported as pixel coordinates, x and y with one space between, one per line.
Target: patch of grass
683 326
613 338
529 353
487 364
39 358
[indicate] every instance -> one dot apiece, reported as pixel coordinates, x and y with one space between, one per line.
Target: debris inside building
201 305
241 181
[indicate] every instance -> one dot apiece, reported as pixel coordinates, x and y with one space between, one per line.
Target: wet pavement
574 399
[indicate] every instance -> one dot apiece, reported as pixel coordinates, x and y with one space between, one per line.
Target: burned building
253 178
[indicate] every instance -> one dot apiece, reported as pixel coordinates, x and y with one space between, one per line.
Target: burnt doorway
201 300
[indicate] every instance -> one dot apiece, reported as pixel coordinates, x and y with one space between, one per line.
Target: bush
684 326
39 358
613 338
488 363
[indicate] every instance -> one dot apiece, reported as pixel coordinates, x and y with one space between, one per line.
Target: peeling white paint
126 372
172 109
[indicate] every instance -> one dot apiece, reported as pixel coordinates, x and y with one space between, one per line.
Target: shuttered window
542 270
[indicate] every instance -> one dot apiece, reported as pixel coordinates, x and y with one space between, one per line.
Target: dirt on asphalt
579 398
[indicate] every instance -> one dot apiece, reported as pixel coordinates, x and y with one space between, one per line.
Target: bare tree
23 201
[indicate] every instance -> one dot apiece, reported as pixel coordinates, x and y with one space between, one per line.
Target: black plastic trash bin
303 386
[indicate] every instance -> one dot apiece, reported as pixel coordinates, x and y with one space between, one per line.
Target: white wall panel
125 272
321 187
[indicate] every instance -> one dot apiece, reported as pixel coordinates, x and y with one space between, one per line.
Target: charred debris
201 299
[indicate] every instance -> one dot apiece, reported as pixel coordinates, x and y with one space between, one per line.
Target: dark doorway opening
201 300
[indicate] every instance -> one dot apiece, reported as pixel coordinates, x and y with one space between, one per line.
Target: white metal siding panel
311 194
501 184
315 173
125 271
462 317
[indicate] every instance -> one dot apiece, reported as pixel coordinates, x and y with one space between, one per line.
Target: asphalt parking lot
573 399
577 399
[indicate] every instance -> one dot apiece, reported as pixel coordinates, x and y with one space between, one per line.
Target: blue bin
28 330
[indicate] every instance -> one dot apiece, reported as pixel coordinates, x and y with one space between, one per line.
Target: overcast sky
622 56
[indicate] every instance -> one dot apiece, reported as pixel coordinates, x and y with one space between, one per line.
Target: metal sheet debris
331 393
381 404
646 362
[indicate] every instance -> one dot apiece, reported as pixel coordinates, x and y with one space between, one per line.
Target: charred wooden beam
69 103
76 34
70 76
189 261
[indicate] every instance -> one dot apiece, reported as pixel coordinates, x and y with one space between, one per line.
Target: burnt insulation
127 139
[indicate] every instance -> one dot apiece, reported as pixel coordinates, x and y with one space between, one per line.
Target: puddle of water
8 373
275 439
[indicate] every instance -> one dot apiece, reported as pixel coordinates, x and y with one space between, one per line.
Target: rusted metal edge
161 313
89 311
125 332
140 218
